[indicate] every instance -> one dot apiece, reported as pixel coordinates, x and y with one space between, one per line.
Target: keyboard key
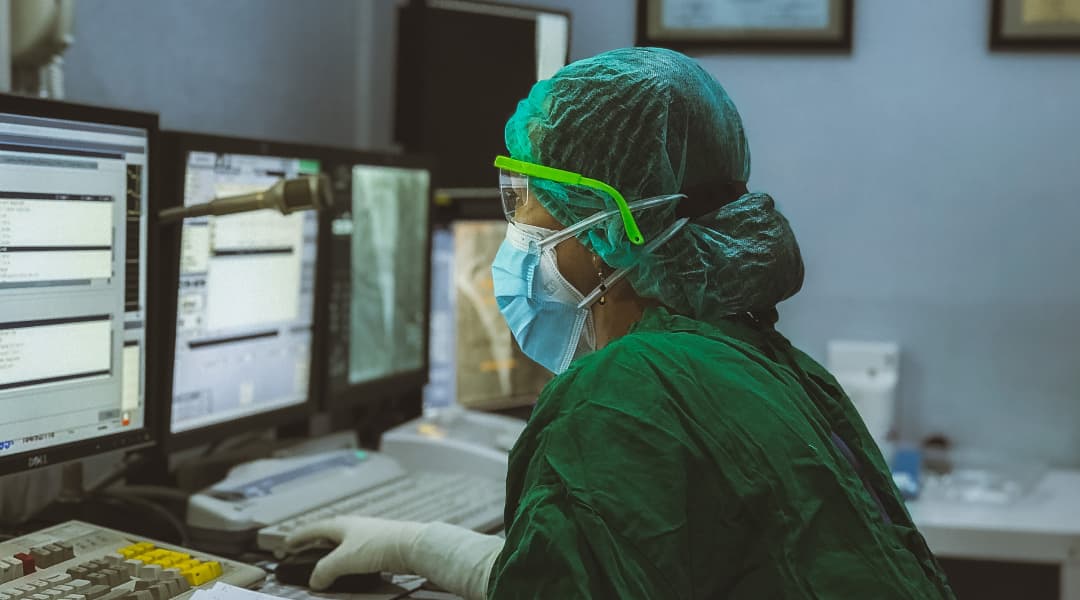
187 564
149 572
160 591
27 562
59 578
174 576
199 574
67 551
79 584
98 579
131 567
114 577
95 591
57 553
42 557
10 568
78 572
67 589
53 593
40 597
74 597
39 583
172 586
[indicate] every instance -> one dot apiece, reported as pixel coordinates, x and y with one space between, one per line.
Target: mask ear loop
569 232
618 275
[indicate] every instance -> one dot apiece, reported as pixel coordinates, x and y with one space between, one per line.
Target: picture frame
1035 24
762 25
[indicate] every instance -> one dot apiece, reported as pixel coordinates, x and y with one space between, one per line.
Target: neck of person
622 308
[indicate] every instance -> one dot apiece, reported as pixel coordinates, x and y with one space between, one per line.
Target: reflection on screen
492 372
389 271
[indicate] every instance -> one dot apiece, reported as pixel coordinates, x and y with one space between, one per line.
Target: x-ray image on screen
389 271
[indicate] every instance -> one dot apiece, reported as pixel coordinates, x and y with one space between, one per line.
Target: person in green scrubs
685 448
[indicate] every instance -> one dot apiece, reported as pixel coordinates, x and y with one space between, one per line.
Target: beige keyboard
80 561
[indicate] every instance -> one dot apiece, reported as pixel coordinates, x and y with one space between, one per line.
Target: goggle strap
588 222
619 274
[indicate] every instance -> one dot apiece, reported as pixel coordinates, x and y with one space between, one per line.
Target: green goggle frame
571 178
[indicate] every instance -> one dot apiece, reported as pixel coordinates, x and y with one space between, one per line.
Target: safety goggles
514 189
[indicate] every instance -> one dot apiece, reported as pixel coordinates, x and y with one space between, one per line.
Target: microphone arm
287 196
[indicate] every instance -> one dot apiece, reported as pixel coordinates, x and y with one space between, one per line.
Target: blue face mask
551 320
539 305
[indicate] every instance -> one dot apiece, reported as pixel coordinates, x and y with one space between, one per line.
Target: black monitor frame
175 148
148 434
413 89
369 395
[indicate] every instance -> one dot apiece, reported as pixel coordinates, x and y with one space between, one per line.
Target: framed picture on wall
745 24
1035 24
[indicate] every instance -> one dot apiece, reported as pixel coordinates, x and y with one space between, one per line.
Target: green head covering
649 122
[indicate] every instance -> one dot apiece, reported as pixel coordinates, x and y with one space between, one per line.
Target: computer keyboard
465 500
80 561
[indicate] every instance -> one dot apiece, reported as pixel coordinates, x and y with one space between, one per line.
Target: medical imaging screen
378 295
245 296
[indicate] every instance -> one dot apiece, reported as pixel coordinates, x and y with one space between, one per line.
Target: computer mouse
295 569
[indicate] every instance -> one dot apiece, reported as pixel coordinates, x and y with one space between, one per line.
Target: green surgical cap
649 122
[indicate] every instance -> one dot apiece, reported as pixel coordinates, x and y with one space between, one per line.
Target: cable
153 492
116 475
165 515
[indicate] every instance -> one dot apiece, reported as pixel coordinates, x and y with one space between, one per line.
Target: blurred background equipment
41 30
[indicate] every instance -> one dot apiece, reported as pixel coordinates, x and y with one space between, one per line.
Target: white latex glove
455 559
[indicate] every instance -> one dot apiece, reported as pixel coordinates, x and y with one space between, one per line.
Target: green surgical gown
695 460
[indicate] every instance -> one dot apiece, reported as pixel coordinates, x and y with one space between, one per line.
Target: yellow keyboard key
199 574
187 564
215 568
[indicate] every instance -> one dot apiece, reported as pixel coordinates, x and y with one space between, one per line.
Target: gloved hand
364 545
456 559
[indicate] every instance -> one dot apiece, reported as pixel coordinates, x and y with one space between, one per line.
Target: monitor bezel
176 145
148 434
377 390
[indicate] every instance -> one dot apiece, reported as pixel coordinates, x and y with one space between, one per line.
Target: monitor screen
245 296
73 288
379 267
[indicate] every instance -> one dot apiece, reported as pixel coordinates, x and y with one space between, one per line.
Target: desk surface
1042 526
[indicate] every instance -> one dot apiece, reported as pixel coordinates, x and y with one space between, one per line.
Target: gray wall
278 69
935 189
933 184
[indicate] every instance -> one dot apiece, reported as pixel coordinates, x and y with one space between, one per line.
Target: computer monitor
378 241
242 291
456 89
75 245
